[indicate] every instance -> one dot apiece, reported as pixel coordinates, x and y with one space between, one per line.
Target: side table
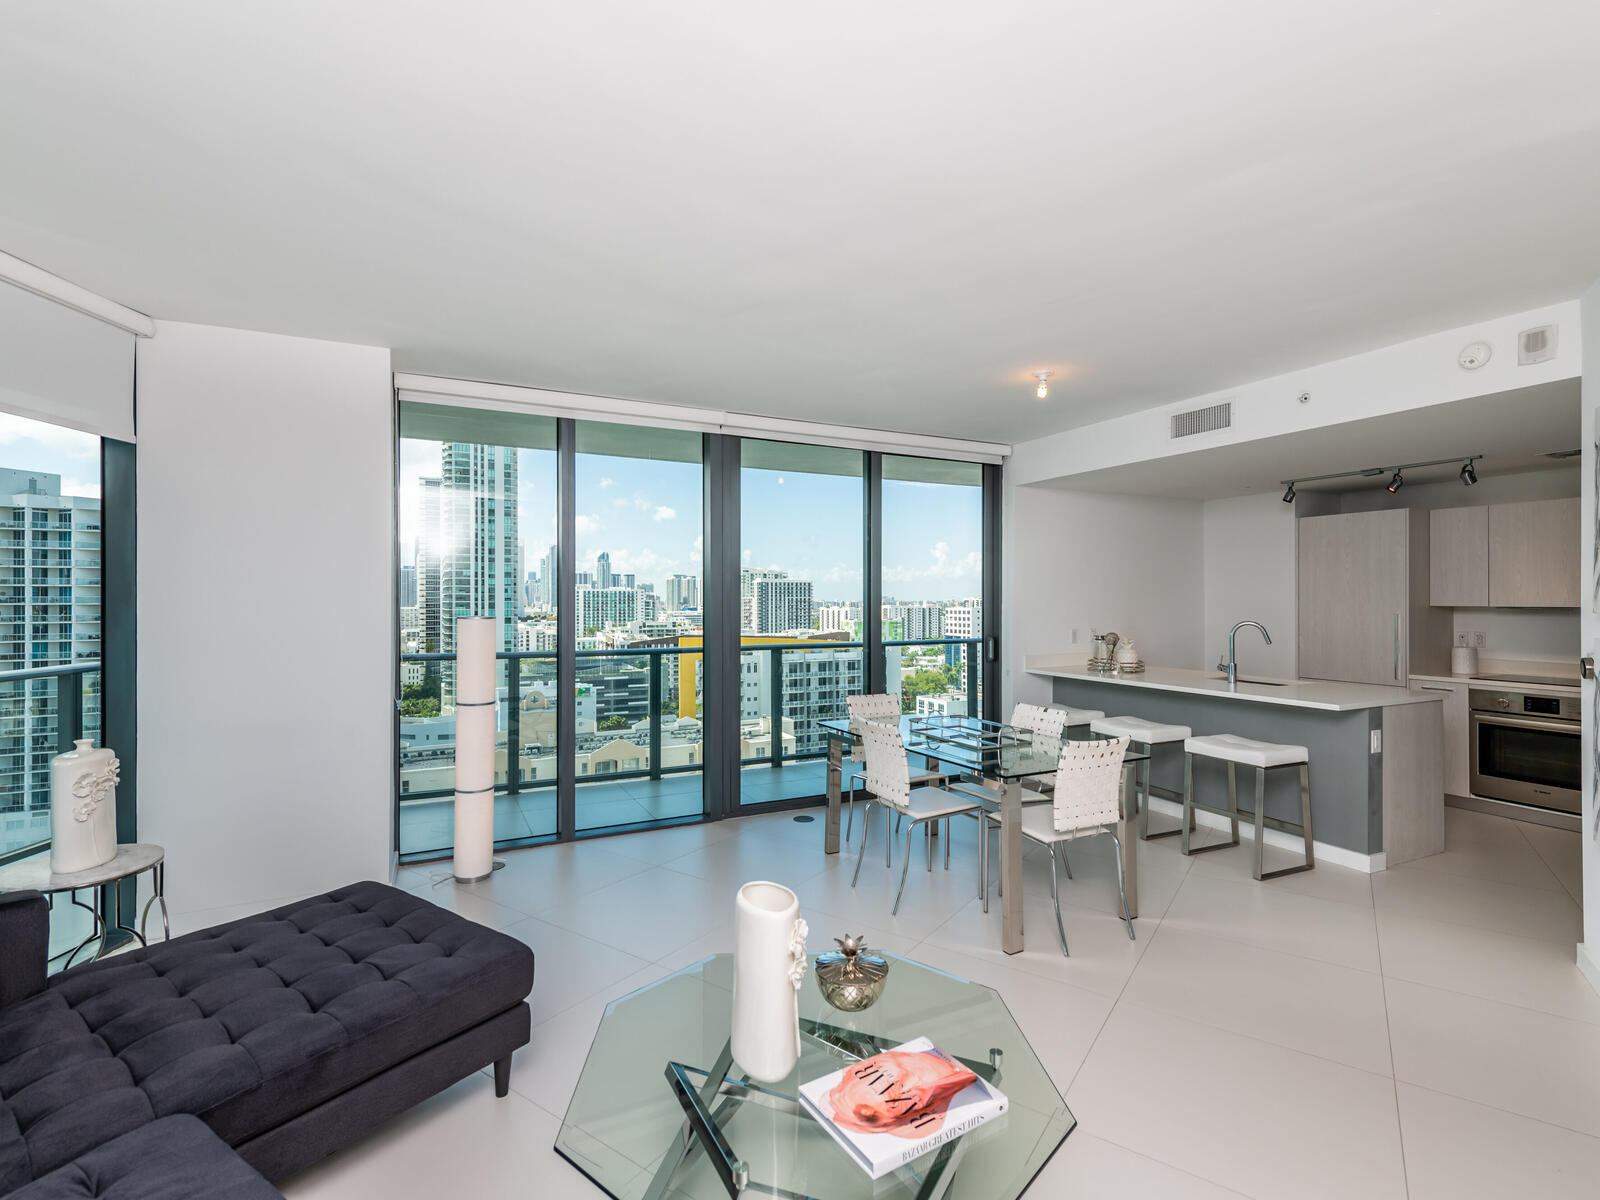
131 859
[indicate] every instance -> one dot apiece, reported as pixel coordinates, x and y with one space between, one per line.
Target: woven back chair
1088 783
874 707
1023 716
888 775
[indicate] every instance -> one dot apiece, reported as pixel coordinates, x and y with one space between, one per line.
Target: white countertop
1574 688
1294 693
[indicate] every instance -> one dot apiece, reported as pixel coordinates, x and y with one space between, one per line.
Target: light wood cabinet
1364 604
1458 557
1457 758
1533 554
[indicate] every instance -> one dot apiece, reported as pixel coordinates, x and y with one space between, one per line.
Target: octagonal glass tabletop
626 1127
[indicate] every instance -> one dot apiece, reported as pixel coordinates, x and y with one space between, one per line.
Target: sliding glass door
639 529
677 611
801 621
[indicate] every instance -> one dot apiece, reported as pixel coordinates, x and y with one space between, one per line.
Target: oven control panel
1556 708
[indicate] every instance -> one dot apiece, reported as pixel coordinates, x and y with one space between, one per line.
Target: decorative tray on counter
1107 666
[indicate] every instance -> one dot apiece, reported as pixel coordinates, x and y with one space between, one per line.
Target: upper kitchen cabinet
1364 598
1534 554
1458 564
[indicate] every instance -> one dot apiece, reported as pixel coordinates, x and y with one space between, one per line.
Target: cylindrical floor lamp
475 702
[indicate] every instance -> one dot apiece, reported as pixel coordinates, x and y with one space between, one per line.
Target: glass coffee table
661 1111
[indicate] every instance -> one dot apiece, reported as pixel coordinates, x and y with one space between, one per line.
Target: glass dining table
995 759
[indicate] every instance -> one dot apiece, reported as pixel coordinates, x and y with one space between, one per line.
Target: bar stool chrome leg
1305 824
1189 806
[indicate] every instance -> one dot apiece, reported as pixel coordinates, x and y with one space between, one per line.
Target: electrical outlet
1377 741
1461 638
1477 639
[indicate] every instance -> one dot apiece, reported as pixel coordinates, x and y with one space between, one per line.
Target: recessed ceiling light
1044 383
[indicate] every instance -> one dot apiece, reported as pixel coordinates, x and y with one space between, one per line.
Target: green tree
924 683
612 723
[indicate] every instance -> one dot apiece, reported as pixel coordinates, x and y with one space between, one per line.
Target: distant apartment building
49 616
782 604
814 684
602 571
428 552
408 587
601 607
547 580
683 591
916 622
748 578
840 618
964 620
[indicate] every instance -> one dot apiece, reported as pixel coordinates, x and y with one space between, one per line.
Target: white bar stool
1146 735
1263 756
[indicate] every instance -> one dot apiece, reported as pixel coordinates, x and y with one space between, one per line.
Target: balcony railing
805 681
43 710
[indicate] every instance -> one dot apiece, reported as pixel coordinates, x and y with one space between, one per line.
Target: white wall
1398 378
1249 574
1088 561
266 639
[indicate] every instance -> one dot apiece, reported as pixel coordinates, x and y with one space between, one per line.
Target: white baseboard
1336 856
1589 965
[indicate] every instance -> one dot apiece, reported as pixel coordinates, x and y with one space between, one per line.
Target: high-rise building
782 604
408 587
846 618
815 683
683 591
748 578
917 622
547 579
49 616
627 579
479 562
428 555
964 620
599 607
602 570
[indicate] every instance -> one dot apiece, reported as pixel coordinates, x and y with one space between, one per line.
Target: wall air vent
1536 345
1203 420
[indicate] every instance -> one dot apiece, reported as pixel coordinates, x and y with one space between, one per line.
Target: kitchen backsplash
1523 631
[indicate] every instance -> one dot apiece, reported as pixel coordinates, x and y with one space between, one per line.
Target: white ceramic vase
83 808
769 961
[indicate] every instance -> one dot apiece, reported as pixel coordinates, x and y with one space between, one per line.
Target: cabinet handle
1397 645
1423 687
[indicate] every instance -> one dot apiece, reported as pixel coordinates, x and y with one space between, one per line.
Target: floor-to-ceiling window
801 624
639 528
477 526
932 566
833 571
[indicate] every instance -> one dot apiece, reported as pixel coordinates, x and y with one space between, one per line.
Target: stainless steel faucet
1232 665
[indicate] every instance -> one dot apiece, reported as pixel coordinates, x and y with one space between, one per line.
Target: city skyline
647 515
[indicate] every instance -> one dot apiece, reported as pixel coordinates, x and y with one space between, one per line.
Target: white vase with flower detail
83 808
769 962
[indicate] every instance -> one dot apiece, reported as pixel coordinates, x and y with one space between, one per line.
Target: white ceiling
1514 431
882 214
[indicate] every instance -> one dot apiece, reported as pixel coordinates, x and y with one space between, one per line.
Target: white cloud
588 524
939 566
663 513
641 502
607 481
780 478
72 442
699 548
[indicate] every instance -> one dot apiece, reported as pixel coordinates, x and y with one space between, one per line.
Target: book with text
893 1107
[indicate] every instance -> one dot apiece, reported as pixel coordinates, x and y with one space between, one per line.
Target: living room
504 501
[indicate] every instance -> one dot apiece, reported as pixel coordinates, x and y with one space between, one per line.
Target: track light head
1288 493
1469 474
1398 482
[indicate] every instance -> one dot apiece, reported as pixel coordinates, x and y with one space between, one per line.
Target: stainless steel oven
1526 748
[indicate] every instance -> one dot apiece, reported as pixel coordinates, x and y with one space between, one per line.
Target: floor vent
1202 420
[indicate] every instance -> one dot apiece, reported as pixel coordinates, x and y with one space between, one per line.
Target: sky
648 516
38 446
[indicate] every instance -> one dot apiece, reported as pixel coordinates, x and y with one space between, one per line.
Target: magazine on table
896 1106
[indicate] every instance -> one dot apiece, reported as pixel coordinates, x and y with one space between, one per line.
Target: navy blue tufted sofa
287 1035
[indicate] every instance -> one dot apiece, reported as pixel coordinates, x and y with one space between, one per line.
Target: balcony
638 742
42 711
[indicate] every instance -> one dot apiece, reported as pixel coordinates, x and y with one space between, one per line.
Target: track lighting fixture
1468 473
1044 384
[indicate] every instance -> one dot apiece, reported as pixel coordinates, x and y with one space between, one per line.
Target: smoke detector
1473 355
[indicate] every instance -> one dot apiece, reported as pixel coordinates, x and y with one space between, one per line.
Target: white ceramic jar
83 808
769 961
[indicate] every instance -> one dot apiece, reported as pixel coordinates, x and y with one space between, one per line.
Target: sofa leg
502 1076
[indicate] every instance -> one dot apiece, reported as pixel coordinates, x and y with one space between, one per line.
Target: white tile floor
1423 1032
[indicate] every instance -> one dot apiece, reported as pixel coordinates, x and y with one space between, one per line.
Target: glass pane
801 585
49 613
932 559
637 613
477 533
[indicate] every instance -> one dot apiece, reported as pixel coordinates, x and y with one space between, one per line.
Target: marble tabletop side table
131 859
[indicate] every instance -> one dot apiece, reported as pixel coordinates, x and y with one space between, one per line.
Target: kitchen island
1377 766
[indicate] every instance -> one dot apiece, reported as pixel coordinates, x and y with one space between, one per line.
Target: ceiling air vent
1202 420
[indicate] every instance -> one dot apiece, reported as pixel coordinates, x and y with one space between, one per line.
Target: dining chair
889 780
1086 803
877 706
